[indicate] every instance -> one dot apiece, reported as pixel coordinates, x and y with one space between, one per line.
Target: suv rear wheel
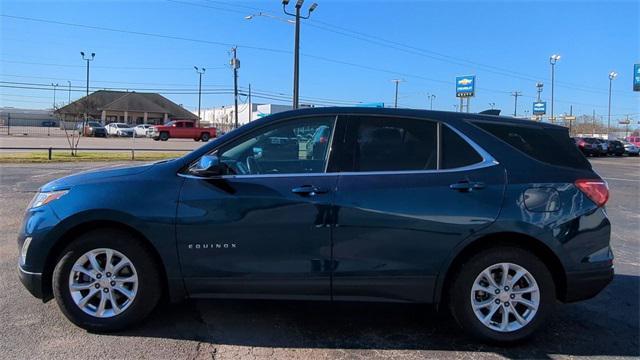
106 281
503 294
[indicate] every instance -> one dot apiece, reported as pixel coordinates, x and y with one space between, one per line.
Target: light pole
296 51
86 100
55 86
200 72
552 60
493 105
612 75
87 59
431 97
69 101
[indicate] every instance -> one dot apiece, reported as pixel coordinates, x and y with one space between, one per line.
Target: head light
24 250
43 198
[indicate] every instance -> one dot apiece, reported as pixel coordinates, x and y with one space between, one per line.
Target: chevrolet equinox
492 217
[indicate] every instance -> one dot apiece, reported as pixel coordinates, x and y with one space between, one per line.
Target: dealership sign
636 77
465 86
539 108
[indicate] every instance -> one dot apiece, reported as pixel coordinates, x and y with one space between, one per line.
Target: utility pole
515 95
69 101
235 64
200 72
593 132
296 46
395 103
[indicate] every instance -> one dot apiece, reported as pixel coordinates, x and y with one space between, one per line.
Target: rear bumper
584 285
32 281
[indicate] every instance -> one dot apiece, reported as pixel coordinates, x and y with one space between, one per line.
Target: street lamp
200 72
296 52
552 60
431 97
86 100
612 75
493 105
87 59
253 16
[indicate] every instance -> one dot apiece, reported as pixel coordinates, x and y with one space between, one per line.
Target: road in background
606 326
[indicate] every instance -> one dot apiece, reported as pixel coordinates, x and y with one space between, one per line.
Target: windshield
122 126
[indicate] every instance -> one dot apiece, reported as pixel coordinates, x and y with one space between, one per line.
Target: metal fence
50 150
17 125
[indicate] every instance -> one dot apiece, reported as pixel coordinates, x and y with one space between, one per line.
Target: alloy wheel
103 282
505 297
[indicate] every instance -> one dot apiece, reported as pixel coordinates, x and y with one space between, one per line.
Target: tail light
323 139
595 189
581 143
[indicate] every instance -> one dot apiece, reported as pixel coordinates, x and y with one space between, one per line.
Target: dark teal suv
492 217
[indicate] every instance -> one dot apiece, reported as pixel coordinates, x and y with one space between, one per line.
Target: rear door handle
467 186
308 190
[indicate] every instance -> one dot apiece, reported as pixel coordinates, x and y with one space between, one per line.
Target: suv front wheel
106 281
502 294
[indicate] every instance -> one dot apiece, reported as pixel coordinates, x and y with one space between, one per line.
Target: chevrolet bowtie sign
465 86
539 108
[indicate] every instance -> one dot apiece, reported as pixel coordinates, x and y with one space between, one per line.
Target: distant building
128 107
223 117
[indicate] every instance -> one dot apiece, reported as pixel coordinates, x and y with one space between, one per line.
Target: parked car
587 147
143 130
630 149
603 146
119 129
318 142
491 217
91 128
615 147
635 140
183 129
48 123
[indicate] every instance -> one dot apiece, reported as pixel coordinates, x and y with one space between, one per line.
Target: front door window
294 147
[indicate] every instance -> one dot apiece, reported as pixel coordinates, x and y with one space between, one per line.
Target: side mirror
208 165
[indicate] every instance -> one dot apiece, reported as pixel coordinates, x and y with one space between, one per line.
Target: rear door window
455 151
549 145
390 144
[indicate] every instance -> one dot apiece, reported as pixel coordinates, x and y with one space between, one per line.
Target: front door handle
467 186
308 190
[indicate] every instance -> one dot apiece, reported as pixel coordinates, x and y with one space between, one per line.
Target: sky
351 50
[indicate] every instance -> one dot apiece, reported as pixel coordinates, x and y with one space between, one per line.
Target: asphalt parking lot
606 326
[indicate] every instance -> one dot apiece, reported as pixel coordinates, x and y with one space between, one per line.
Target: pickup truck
181 129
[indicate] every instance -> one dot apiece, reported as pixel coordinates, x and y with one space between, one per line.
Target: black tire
164 136
205 137
460 293
149 285
196 139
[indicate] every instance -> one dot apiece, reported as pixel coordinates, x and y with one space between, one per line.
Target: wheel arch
74 232
524 241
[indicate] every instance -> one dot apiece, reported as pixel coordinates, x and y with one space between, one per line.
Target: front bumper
32 281
584 285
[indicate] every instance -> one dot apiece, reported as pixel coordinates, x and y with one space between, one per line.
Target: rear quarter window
549 145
